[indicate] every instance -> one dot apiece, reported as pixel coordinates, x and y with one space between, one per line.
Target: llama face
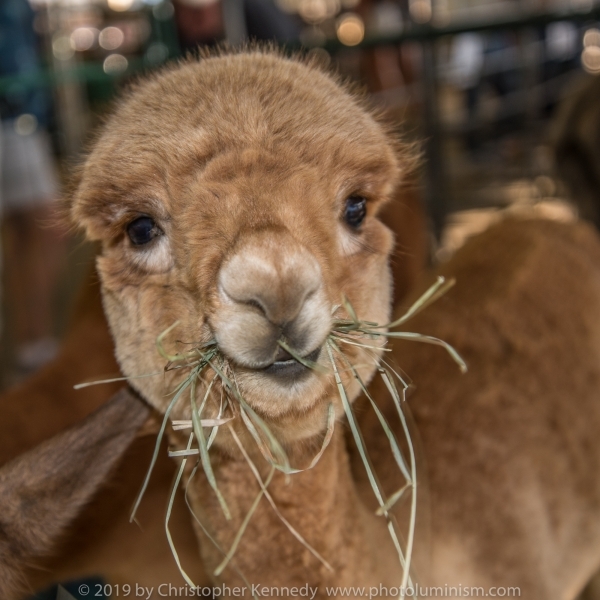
238 197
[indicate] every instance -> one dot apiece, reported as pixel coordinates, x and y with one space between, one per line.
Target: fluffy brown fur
46 403
511 447
247 159
43 490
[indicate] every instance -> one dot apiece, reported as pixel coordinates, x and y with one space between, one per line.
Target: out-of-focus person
490 61
34 250
202 22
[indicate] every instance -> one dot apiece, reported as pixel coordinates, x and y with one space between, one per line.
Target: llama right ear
43 490
95 205
89 213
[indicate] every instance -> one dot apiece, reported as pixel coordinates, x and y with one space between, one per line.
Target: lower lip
292 368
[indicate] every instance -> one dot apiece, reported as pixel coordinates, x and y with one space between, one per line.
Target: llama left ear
43 490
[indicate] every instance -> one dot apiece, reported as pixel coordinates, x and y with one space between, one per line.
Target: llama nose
271 287
276 282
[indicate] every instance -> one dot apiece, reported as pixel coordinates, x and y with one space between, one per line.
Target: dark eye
355 211
142 230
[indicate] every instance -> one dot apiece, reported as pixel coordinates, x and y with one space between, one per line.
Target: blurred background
503 94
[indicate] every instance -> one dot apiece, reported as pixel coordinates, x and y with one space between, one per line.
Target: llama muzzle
272 304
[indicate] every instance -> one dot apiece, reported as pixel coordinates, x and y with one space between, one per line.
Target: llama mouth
286 366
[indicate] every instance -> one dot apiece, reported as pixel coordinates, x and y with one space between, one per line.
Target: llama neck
321 504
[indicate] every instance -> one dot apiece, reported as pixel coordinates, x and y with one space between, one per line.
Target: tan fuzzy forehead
242 99
180 119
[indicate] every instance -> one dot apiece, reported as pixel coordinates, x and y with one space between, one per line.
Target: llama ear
94 203
43 490
90 213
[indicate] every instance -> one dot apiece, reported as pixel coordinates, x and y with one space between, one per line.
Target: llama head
238 196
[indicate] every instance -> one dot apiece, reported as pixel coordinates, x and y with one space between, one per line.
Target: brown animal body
577 147
46 403
228 196
511 447
43 490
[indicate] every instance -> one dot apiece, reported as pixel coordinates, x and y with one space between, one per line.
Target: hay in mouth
206 359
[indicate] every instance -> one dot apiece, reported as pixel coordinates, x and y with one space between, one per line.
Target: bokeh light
317 11
163 11
590 59
420 11
350 29
120 5
156 53
83 38
26 124
591 38
114 64
61 46
111 38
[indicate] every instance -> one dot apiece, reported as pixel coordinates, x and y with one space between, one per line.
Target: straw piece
389 382
215 430
392 500
349 309
427 339
339 338
159 343
207 533
396 452
202 446
436 291
156 449
274 454
85 384
361 449
179 425
269 498
179 453
327 438
244 525
168 516
310 364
